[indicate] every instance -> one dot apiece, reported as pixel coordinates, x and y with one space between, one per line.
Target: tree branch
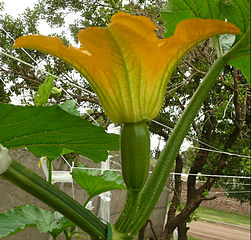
152 229
194 68
208 198
83 98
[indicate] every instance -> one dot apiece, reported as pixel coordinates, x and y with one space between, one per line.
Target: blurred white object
89 206
56 176
5 159
105 198
175 234
184 177
112 129
43 162
61 176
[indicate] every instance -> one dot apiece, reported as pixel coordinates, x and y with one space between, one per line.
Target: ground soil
214 231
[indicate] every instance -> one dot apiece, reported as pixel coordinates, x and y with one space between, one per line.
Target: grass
221 216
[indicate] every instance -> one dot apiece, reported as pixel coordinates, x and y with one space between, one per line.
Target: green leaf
63 224
50 131
239 55
70 106
44 91
95 184
236 12
175 11
19 218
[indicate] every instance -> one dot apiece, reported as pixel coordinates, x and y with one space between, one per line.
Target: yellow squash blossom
126 64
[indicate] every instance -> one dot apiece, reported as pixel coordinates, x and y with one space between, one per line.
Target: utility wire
173 173
215 150
9 35
229 183
227 153
188 137
55 76
21 48
210 175
229 192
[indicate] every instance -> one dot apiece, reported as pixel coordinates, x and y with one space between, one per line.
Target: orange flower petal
188 33
80 59
126 64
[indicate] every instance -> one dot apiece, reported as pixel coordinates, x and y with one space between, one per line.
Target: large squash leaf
238 12
50 132
235 11
175 11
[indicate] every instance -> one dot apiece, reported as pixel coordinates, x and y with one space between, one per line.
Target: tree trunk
182 231
168 232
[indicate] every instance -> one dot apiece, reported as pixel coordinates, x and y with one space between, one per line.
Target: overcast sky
15 7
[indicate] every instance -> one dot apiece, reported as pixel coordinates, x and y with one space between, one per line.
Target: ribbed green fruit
135 154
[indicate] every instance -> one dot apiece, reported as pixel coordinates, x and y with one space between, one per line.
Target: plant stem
216 41
157 180
50 171
86 202
131 206
67 235
55 198
116 235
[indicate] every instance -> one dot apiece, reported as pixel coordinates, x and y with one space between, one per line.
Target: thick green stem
67 237
128 213
156 182
116 235
58 200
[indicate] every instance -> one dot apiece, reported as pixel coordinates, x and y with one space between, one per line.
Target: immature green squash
135 154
